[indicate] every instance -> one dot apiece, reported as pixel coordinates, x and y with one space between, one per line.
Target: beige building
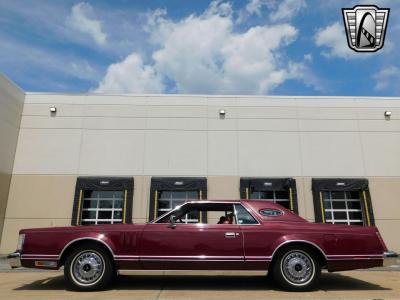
91 159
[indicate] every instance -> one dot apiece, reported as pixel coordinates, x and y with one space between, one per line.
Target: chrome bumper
390 258
14 260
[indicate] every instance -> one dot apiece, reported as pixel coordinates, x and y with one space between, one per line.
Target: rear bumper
390 258
14 260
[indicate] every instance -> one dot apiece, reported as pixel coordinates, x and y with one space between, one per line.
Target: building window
101 200
168 193
343 207
168 200
342 201
278 190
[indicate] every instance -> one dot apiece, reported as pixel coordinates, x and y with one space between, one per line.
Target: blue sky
260 47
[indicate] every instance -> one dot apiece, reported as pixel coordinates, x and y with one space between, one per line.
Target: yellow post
366 209
125 198
291 198
155 204
322 207
78 216
200 213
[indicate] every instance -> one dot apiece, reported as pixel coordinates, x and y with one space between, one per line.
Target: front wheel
88 268
297 269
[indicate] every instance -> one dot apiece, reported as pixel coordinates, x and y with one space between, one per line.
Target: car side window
243 216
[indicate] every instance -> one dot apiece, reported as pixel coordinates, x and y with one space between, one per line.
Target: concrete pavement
344 285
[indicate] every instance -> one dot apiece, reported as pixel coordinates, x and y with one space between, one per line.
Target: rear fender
291 239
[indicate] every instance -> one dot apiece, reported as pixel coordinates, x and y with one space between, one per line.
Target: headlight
21 240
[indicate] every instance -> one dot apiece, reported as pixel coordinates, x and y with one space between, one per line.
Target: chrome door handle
231 234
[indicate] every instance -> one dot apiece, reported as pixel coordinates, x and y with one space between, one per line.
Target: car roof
251 202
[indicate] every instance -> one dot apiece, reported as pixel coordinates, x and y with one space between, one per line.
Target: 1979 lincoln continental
238 235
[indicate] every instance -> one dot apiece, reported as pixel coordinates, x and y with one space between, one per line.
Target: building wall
11 104
144 136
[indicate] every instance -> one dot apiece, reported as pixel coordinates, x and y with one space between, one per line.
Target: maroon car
204 235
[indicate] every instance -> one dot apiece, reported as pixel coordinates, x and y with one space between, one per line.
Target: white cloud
14 53
287 9
308 57
131 76
82 19
254 7
282 10
203 54
334 38
387 78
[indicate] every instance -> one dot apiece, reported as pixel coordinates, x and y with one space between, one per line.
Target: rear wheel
296 269
88 268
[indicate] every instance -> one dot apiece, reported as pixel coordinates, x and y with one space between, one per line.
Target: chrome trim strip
192 260
39 255
257 260
126 256
356 255
195 271
188 256
85 238
356 258
301 241
39 258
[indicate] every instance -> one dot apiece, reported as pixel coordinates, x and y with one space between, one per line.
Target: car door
191 247
256 239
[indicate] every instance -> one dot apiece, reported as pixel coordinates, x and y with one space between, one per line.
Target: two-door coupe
204 235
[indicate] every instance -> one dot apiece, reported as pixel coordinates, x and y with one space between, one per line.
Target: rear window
270 212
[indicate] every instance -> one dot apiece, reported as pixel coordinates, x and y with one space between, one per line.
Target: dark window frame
170 184
125 184
247 184
320 185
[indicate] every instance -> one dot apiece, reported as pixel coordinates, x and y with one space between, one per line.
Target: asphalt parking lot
344 285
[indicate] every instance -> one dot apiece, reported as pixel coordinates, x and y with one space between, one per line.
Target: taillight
381 240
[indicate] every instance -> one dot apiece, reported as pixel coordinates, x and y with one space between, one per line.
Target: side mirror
172 221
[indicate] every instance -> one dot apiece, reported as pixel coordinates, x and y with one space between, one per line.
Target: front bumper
14 260
390 258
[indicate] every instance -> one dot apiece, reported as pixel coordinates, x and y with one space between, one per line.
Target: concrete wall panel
175 153
381 153
41 197
11 105
328 125
48 151
385 195
268 154
327 113
222 153
390 233
13 226
46 122
106 123
63 110
112 152
331 154
223 188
